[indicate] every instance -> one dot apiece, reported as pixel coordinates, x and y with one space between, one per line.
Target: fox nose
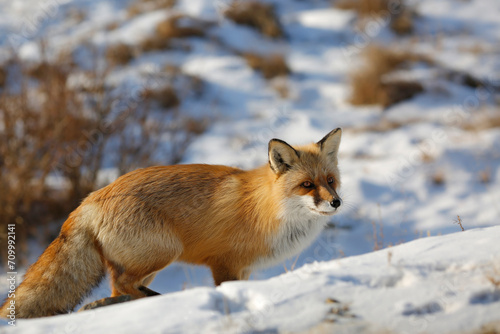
335 203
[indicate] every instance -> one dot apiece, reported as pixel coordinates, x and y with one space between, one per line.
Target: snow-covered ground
436 284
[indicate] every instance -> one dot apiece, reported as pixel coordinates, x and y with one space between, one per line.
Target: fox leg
123 283
121 291
145 282
222 273
148 280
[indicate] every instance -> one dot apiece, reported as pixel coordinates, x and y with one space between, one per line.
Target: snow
435 284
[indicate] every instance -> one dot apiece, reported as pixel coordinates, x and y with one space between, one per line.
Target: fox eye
329 180
307 184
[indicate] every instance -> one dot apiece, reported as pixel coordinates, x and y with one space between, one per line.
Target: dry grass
485 176
49 129
427 157
368 83
3 76
281 86
270 66
459 223
119 54
402 24
176 26
493 276
255 14
39 134
179 26
483 122
383 125
489 328
397 91
142 6
112 26
76 15
364 7
438 178
401 16
166 97
154 43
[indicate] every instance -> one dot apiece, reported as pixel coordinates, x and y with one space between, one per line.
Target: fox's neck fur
290 228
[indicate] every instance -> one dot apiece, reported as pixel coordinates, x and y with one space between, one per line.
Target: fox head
308 175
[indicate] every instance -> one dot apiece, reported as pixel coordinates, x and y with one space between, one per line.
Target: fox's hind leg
126 284
148 280
133 280
134 260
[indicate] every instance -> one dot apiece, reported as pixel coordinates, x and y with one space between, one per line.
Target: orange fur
228 219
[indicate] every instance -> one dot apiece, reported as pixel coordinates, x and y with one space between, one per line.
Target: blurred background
92 89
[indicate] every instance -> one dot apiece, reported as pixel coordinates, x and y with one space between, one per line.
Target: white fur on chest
298 229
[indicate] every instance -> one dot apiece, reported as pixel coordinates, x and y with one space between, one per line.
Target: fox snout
324 200
336 202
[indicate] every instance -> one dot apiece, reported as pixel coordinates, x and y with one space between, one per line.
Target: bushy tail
61 277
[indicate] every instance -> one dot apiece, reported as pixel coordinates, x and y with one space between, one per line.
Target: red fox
231 220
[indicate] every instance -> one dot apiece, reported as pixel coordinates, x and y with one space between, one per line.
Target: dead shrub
401 16
270 66
3 76
35 136
166 97
119 54
154 43
281 86
178 26
112 26
142 6
397 91
483 121
485 176
367 82
438 178
196 126
257 15
402 24
50 129
77 15
364 7
383 125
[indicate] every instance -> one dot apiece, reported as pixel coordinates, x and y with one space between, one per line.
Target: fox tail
62 276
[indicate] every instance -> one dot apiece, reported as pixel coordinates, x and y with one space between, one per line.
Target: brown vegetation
154 43
438 178
179 26
3 76
176 26
165 96
364 7
270 66
50 129
369 85
399 15
141 6
119 54
257 15
483 121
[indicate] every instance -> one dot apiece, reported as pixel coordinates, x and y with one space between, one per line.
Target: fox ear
281 156
330 143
